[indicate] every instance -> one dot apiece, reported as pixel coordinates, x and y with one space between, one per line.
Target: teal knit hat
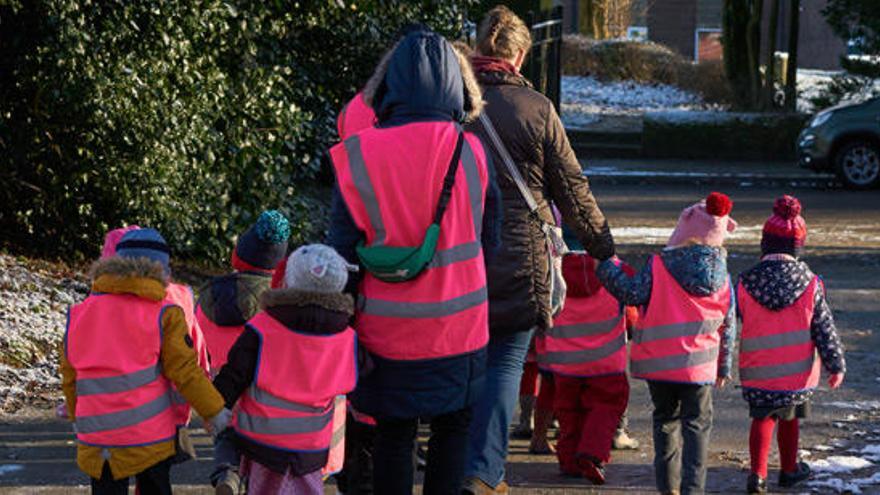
264 244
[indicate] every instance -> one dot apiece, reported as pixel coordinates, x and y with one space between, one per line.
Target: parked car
844 140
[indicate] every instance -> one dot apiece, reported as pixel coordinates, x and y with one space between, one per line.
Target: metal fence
544 64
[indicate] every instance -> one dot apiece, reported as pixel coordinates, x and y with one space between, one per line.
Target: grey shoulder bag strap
556 247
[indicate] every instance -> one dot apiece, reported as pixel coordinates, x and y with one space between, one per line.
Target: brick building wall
672 23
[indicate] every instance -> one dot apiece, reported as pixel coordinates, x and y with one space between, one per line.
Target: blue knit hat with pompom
264 244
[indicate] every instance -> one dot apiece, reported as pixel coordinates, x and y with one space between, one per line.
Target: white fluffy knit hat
317 268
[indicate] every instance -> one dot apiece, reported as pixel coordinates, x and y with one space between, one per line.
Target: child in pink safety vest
227 302
286 373
182 296
585 350
127 352
788 334
683 342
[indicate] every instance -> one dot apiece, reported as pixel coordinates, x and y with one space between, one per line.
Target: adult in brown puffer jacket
518 276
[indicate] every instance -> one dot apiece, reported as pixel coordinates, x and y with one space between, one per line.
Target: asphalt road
37 451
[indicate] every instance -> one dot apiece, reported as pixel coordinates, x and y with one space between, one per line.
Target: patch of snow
840 464
836 484
10 468
874 479
870 449
804 453
823 448
584 99
864 405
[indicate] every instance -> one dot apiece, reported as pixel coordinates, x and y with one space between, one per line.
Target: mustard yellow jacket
178 359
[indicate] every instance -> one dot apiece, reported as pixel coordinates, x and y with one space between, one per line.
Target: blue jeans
493 412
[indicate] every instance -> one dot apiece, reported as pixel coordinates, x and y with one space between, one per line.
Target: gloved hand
220 422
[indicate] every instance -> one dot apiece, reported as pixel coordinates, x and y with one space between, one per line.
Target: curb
637 177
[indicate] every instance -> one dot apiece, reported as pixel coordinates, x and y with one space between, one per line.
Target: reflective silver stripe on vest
283 426
338 435
586 355
122 419
395 309
474 185
268 399
364 186
119 383
677 330
676 362
455 254
583 329
774 341
776 370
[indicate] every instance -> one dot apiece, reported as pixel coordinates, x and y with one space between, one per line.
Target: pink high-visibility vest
355 117
291 404
336 455
113 343
391 180
777 351
588 338
677 338
181 295
219 339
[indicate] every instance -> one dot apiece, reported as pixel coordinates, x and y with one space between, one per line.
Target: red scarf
492 64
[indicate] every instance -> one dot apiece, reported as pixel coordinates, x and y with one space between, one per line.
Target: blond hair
503 34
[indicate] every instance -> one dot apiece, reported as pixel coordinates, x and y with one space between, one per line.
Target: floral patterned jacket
777 284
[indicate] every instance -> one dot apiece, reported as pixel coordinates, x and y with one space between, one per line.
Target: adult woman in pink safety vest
425 338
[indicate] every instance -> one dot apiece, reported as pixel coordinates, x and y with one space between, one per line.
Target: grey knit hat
317 268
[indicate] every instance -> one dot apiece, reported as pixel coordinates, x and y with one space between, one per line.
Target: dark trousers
356 477
155 480
682 426
393 454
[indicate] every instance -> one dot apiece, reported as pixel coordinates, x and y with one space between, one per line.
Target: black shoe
756 484
787 480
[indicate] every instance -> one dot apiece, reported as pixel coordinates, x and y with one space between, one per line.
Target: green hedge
739 136
190 116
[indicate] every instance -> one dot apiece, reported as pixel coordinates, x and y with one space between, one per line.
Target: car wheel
858 164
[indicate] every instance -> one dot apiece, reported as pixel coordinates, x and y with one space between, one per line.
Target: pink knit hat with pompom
707 222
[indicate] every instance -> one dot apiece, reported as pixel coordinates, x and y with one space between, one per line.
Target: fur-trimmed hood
340 303
424 79
129 267
142 277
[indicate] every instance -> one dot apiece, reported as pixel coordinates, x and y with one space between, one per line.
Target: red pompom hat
785 232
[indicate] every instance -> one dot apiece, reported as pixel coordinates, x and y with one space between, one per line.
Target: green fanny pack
402 263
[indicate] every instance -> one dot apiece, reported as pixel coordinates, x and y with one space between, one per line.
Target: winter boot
622 441
523 431
756 484
540 445
592 470
788 480
476 486
228 483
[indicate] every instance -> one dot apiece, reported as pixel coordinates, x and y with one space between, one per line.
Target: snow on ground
33 312
10 468
809 84
584 99
855 234
867 405
840 464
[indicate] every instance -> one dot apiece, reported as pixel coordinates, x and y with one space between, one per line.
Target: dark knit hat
785 232
264 245
145 243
